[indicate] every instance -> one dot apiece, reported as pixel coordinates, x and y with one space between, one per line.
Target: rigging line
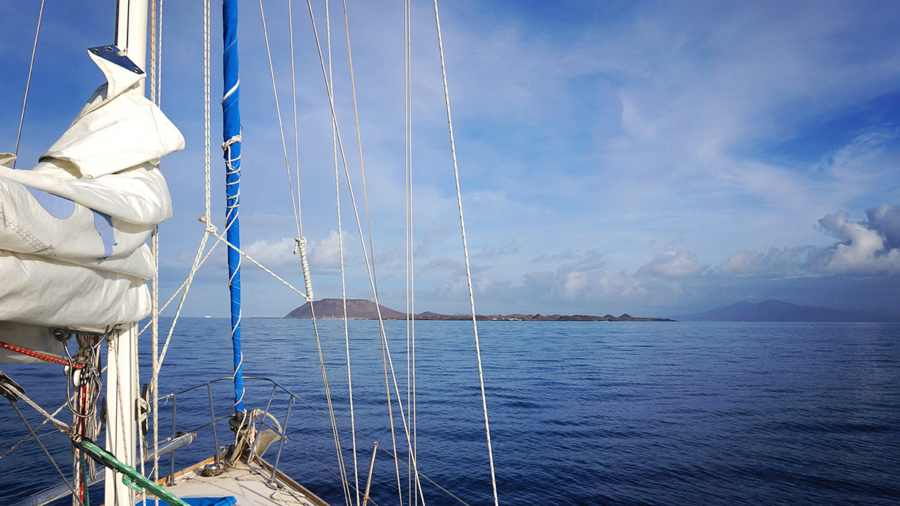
28 83
411 357
58 470
206 105
337 195
451 494
261 266
187 286
153 51
391 413
317 461
406 205
142 441
343 469
369 267
334 429
410 311
462 226
178 290
154 243
356 117
294 100
341 243
154 352
159 70
28 436
287 164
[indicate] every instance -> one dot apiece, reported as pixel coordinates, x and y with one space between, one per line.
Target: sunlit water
580 412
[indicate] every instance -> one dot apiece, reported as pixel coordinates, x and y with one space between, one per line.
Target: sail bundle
73 229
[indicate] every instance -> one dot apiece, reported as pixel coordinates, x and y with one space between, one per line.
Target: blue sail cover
231 113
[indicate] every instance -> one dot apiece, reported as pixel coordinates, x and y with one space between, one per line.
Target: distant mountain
777 311
362 309
357 309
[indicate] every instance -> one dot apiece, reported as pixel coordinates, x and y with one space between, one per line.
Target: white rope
177 291
287 164
154 353
159 50
62 426
28 83
462 226
187 286
410 260
341 249
340 456
216 234
206 105
231 207
27 436
296 131
369 266
304 264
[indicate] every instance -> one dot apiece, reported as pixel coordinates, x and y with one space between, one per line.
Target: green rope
84 478
131 478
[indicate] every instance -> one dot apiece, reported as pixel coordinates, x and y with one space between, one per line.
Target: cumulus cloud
327 252
886 220
280 253
869 247
864 250
775 262
674 264
585 278
743 262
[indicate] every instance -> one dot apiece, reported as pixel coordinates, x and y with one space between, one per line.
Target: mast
231 115
122 374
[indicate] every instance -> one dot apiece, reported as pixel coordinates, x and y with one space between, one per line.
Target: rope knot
227 144
299 244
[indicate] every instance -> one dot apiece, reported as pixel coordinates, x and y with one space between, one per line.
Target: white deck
247 483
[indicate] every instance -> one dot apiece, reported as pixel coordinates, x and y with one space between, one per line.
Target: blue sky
655 158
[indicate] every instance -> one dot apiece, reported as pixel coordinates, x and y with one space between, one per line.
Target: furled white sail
73 229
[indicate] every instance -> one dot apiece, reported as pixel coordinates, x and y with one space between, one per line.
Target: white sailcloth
73 229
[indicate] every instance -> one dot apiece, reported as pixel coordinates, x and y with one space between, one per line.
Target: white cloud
742 262
327 253
865 248
864 252
280 253
885 218
674 264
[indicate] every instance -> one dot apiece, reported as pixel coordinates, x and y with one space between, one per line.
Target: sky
654 158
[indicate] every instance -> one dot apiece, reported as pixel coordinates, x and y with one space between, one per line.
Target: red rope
36 354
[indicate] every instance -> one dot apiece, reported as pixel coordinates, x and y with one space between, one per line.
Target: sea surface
618 413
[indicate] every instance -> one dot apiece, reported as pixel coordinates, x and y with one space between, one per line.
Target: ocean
625 413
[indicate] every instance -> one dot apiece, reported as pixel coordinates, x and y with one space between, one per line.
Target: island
363 309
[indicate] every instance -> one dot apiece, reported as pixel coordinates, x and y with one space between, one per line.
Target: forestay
73 229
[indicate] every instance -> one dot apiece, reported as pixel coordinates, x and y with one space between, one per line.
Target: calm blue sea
581 412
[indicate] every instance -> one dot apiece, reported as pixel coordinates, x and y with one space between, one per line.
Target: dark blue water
581 412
